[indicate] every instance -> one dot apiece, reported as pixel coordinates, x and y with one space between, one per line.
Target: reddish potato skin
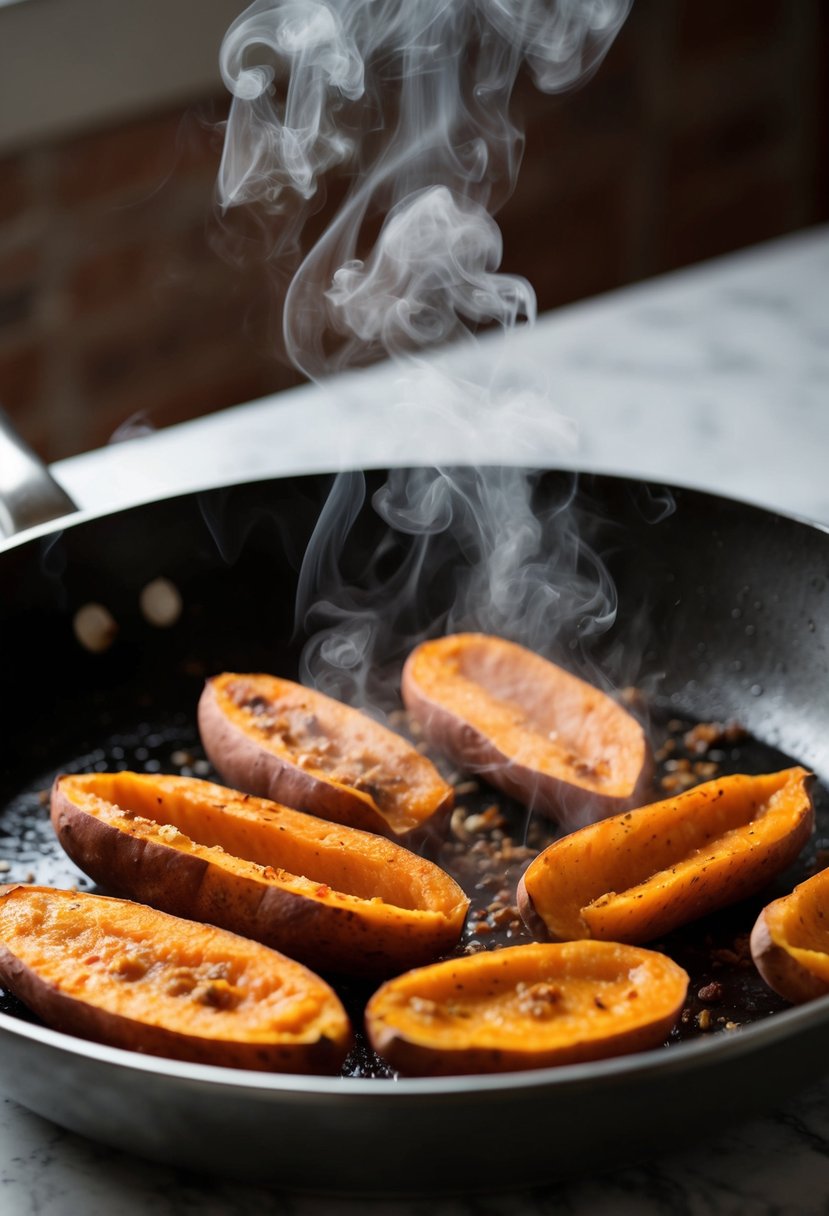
417 1060
472 750
323 936
526 910
709 890
783 974
247 766
71 1015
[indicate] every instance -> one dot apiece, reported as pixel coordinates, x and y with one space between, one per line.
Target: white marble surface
717 377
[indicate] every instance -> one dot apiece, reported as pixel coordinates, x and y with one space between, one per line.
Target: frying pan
721 616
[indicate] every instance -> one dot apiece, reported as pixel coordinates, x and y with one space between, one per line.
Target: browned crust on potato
526 910
247 764
311 924
323 1052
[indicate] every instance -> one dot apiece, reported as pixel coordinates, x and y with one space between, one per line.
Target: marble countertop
716 377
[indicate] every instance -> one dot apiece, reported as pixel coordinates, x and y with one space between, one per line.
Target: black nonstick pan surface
720 618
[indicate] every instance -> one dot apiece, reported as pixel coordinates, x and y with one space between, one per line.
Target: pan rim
233 481
748 1040
678 1058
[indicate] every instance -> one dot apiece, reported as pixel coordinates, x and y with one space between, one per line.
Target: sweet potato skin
797 970
783 974
468 1045
579 888
248 764
320 1048
305 920
567 783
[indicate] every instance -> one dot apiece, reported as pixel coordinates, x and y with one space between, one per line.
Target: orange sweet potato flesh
276 739
130 976
638 875
526 1007
535 731
334 897
790 941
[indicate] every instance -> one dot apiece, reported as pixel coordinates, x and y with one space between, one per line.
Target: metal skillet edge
82 515
520 1129
750 1038
413 1136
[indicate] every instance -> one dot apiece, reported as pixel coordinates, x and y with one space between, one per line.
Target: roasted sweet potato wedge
274 738
526 1007
638 875
790 941
334 897
533 730
128 975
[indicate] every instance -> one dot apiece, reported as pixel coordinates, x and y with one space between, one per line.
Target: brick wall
704 131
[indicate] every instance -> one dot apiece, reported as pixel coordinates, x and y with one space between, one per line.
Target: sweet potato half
526 1007
334 897
536 732
790 941
124 974
274 738
638 875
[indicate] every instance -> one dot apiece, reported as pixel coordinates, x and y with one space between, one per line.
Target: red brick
20 377
730 215
821 131
133 159
728 144
17 305
693 138
15 187
574 248
234 386
18 285
163 266
200 136
728 29
19 265
146 347
106 277
237 375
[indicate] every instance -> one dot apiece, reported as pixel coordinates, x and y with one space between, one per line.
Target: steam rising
410 103
495 559
433 265
412 100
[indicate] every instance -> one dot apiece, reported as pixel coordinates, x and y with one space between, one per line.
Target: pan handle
29 494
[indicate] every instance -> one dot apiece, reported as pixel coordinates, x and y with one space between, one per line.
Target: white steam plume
499 560
408 101
412 100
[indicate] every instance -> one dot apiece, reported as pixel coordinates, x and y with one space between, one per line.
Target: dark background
704 131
